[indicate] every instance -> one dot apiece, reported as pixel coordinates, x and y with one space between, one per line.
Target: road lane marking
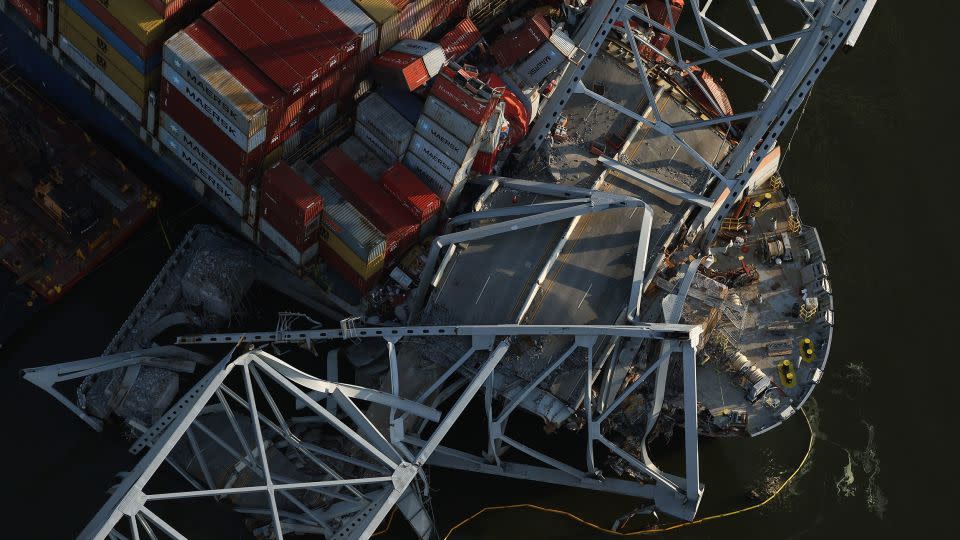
483 289
585 296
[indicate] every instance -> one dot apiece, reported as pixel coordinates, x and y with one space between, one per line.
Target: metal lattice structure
253 430
779 67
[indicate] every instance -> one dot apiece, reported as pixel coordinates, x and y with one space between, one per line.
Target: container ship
451 173
66 203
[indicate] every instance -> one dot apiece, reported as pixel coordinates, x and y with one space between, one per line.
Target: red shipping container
514 46
167 8
339 36
248 75
35 11
242 165
387 214
471 98
403 184
291 205
350 275
460 39
248 42
484 162
400 70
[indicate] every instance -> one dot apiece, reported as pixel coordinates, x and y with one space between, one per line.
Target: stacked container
34 11
419 199
349 242
547 58
290 213
495 134
118 44
409 64
386 15
389 215
384 130
364 157
448 133
514 46
244 85
459 40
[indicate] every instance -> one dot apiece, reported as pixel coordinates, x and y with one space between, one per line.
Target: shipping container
458 41
99 77
198 98
167 8
430 178
469 97
136 19
389 216
299 257
408 105
374 143
336 263
291 205
484 162
563 43
385 123
34 11
400 70
364 157
354 233
231 83
432 53
234 195
445 141
387 17
181 110
448 169
256 50
514 46
176 139
407 188
538 65
78 15
457 124
131 81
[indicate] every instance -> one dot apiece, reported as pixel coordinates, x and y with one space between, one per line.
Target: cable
387 526
651 530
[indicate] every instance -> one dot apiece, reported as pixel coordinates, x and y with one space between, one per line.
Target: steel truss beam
782 78
257 427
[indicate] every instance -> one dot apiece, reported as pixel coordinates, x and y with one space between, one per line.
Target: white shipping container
374 143
450 170
460 126
224 91
233 199
428 176
203 104
385 122
540 64
110 87
491 135
180 138
364 157
298 257
533 98
356 19
453 147
431 53
563 43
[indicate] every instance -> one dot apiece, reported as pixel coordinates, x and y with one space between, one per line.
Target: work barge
633 267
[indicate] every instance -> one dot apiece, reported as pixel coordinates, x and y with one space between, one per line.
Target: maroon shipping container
514 46
241 164
484 161
35 11
389 216
291 205
249 42
460 39
279 114
403 184
333 260
400 70
470 97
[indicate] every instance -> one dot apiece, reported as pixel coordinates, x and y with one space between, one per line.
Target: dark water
870 166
